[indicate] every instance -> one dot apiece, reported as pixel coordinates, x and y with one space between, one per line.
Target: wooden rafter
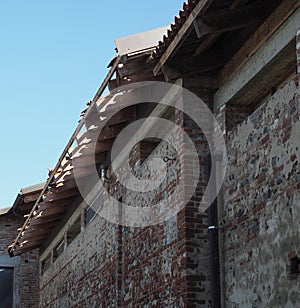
265 31
201 7
209 41
228 20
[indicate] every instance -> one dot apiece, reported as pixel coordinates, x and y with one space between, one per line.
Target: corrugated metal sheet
141 41
167 38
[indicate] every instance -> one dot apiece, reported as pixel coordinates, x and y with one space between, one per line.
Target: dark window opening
74 230
6 286
89 215
58 250
46 263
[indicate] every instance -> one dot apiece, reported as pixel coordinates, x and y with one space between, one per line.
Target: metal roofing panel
4 211
31 189
141 41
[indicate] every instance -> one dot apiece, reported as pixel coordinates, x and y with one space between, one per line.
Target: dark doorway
6 287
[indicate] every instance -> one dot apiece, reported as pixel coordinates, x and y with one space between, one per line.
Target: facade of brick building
19 275
242 249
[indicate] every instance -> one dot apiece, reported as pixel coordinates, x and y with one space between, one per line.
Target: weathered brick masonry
25 266
113 266
253 88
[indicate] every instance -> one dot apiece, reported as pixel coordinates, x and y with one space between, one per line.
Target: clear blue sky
53 57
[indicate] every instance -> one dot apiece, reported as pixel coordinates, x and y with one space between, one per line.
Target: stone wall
26 292
260 218
167 264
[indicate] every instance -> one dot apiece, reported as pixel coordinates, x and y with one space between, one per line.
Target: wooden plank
16 251
36 235
266 80
46 226
206 62
200 8
108 132
27 244
265 55
87 160
40 221
53 211
59 195
209 41
265 31
123 116
31 197
95 148
107 79
229 19
132 68
231 14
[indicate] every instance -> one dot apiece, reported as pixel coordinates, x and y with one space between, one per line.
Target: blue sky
53 57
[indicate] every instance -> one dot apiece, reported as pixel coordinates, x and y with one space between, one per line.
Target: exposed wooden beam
170 73
86 160
59 195
210 83
208 61
200 8
268 52
122 116
31 197
53 211
16 250
29 244
230 14
108 132
210 40
43 220
107 79
46 226
132 68
265 31
225 25
36 235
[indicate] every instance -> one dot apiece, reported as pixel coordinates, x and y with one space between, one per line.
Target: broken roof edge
32 188
140 42
23 191
5 211
114 63
154 37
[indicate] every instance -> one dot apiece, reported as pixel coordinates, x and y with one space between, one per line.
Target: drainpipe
213 245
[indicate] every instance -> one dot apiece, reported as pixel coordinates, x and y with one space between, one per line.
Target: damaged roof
140 42
60 192
24 201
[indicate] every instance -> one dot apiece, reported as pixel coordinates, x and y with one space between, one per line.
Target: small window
6 286
89 215
46 263
58 250
74 231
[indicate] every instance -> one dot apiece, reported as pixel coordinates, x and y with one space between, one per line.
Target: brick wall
26 266
116 266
